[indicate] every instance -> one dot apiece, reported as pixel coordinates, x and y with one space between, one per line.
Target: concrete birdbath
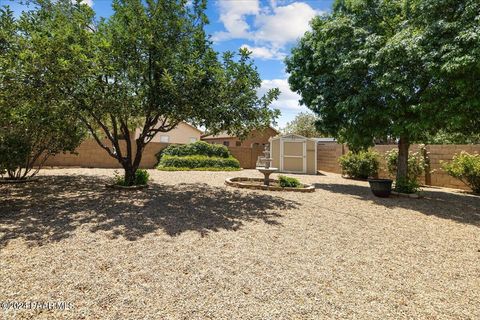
266 170
266 183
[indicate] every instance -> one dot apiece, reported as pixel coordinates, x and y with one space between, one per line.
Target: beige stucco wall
328 154
247 156
181 134
90 155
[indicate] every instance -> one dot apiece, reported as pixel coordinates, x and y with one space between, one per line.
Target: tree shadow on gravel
458 207
55 206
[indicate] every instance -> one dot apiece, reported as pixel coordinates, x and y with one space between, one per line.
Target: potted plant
381 187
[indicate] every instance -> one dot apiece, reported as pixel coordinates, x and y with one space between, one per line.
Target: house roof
225 135
220 135
192 126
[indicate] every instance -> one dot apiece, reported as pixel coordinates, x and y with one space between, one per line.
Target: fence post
426 158
253 152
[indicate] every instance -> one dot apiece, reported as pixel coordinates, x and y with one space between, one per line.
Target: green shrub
200 148
416 164
14 150
141 178
197 169
289 182
360 165
416 167
407 186
466 168
198 161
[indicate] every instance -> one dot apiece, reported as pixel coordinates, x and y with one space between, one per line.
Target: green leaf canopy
400 69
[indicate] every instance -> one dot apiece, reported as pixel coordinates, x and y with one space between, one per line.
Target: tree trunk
131 165
129 174
402 162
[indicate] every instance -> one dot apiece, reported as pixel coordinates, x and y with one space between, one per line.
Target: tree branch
97 139
126 134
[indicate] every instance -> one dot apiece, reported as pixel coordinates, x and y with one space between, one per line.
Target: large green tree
35 120
303 124
397 69
151 66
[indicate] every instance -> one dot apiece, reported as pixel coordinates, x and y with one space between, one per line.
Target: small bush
198 161
416 167
141 178
416 164
289 182
200 148
466 168
197 169
14 150
360 165
407 186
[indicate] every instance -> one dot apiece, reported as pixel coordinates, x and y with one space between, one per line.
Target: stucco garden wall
328 154
90 155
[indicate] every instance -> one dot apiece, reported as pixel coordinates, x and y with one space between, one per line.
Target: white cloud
232 15
288 99
285 25
273 26
264 52
87 2
287 103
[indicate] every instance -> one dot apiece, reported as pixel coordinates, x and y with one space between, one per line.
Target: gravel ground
191 248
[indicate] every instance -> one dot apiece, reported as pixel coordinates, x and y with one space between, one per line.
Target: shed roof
325 139
292 136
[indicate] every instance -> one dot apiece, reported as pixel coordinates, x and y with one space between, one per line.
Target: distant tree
35 121
304 125
444 137
391 70
151 66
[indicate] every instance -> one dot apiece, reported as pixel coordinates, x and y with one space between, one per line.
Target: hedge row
197 169
197 148
198 161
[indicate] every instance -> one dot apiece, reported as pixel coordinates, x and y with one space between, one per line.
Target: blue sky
268 28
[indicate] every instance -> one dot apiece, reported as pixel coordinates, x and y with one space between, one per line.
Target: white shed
294 153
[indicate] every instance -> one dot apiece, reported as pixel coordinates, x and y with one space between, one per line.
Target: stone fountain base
258 184
266 173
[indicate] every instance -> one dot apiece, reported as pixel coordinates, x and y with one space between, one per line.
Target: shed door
293 156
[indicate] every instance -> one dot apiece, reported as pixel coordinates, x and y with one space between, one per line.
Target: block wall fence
90 155
328 154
